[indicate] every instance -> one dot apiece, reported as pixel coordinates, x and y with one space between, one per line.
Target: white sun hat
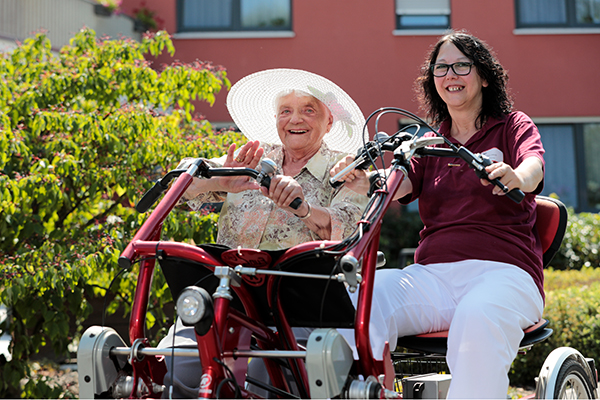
251 103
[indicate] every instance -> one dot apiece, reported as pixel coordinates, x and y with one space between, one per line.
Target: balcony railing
60 20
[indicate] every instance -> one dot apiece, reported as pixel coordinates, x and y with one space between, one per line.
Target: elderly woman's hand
356 180
247 156
283 190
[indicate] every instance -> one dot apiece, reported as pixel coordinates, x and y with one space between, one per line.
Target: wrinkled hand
356 180
283 190
248 156
505 174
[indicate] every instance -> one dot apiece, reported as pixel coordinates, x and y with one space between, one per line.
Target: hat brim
251 103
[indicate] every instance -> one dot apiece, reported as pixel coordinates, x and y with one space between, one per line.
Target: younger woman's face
459 92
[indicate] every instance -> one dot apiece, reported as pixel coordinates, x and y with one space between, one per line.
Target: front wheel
566 374
573 382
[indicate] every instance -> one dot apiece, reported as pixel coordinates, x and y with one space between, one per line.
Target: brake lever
408 148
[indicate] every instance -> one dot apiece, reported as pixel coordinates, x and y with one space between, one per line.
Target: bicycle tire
573 382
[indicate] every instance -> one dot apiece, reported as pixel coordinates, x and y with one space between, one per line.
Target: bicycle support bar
126 351
367 250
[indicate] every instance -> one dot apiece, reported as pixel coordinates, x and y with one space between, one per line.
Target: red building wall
352 43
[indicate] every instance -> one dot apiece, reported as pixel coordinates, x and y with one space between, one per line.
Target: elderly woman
305 124
478 271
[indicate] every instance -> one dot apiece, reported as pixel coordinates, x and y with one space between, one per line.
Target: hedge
573 311
83 133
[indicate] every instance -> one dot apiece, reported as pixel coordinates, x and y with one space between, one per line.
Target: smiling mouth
298 131
455 88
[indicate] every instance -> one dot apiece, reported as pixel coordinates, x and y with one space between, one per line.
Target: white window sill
419 32
556 31
567 120
235 35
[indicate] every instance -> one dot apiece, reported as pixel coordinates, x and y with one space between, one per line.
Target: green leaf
74 161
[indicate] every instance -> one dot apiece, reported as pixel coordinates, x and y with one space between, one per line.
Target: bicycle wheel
573 382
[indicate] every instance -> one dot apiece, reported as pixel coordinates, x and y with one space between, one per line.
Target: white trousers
484 305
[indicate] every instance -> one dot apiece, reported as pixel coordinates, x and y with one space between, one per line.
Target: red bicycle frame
216 348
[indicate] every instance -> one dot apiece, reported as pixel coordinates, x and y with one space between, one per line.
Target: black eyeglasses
460 68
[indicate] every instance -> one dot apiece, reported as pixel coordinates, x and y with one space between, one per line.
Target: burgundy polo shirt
462 218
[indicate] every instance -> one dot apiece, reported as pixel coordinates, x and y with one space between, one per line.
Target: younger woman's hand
356 180
505 174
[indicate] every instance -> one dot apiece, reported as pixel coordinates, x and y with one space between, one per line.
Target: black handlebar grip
266 182
336 184
516 195
150 197
296 203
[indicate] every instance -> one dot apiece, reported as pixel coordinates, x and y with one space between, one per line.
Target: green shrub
581 245
81 138
573 310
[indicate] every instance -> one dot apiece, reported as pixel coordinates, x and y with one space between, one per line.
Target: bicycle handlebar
200 168
150 197
476 161
405 149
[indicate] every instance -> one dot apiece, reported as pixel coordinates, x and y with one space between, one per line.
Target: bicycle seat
436 342
306 302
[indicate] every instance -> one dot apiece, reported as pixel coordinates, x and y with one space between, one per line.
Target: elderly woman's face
302 121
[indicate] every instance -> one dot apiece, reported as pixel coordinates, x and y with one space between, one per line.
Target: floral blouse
251 220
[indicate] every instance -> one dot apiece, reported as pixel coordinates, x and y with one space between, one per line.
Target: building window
572 165
557 13
422 14
233 15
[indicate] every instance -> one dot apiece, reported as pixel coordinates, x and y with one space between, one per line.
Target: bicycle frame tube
149 234
297 366
210 348
265 338
367 249
141 296
150 229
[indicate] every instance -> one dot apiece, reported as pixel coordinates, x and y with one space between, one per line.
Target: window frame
236 23
580 186
400 27
571 16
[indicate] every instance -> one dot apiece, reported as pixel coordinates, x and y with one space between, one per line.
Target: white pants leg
183 373
493 309
485 305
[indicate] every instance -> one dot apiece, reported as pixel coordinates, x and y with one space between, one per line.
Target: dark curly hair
496 99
